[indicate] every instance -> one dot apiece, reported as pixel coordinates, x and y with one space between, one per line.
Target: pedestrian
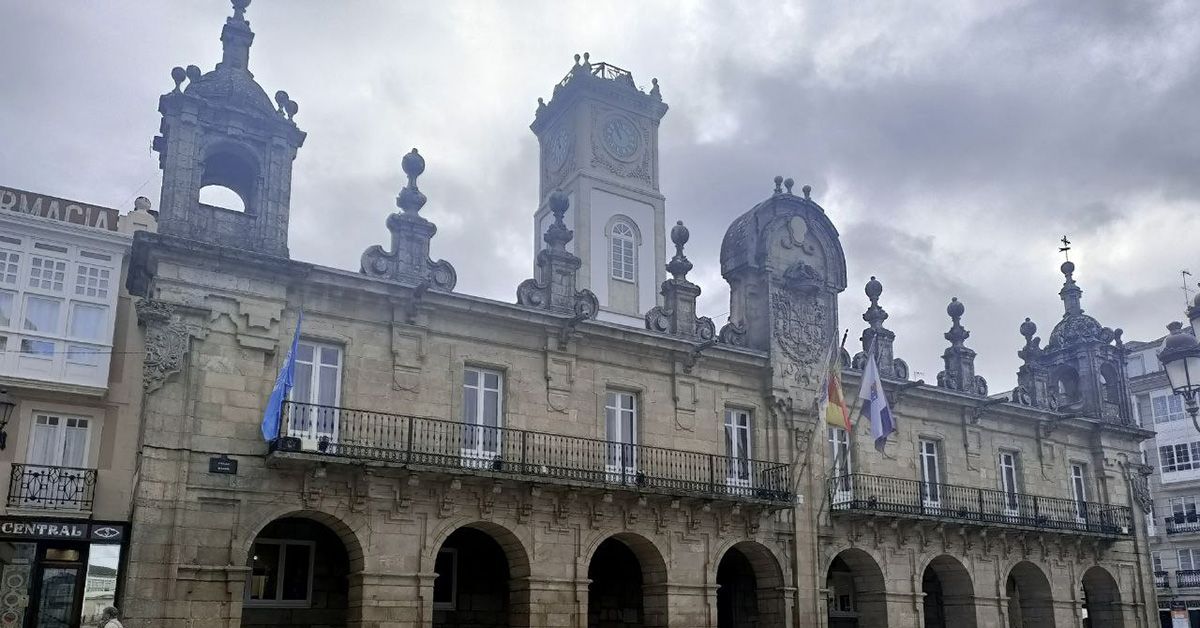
108 618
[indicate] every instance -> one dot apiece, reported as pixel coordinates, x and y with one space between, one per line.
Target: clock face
621 138
557 150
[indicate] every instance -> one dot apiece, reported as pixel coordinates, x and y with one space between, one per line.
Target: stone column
551 601
383 600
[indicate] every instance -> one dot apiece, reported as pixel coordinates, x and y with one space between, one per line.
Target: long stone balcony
872 495
311 432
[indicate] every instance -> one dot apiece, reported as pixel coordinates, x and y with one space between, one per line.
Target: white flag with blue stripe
875 405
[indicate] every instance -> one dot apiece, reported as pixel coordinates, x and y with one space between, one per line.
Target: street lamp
1180 357
7 404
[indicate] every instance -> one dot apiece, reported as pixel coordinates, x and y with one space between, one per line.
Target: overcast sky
952 143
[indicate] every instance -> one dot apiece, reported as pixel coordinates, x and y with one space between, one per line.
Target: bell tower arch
226 151
599 145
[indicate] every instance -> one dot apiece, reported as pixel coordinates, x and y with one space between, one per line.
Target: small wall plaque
222 464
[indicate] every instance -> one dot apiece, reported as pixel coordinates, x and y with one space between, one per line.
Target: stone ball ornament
955 309
873 288
680 234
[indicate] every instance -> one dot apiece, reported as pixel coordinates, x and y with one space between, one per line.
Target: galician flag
833 400
283 385
875 405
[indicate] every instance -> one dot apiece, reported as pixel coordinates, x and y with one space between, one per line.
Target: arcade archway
856 587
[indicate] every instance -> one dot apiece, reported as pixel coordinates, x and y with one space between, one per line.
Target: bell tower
599 145
222 133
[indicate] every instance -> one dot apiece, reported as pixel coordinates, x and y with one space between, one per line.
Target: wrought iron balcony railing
1186 578
896 496
36 487
419 441
1161 580
1182 523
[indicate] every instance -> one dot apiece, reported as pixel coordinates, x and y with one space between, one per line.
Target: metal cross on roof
1187 291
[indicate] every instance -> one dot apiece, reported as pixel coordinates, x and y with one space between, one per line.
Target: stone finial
553 287
959 373
193 74
1071 293
236 38
409 261
677 314
878 338
788 183
778 182
654 90
807 190
239 9
178 75
1031 376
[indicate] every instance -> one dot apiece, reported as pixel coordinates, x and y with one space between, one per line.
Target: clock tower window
623 252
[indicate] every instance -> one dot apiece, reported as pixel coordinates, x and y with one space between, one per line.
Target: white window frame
276 602
621 456
1193 558
1079 490
618 267
1010 480
930 458
1172 407
841 464
475 435
738 456
453 603
312 418
1175 457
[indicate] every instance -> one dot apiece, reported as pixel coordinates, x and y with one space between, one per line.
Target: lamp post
1180 357
7 404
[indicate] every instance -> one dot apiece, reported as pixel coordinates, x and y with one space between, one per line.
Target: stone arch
1030 603
1110 383
622 218
1102 598
602 554
302 565
1064 384
498 577
949 594
764 607
348 535
230 166
857 590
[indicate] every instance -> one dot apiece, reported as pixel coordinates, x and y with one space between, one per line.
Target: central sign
42 206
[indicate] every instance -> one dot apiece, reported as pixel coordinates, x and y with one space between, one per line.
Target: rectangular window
40 348
930 471
1136 366
737 445
483 393
1167 407
1009 480
9 264
1179 456
1079 489
42 314
622 252
318 385
840 463
620 420
47 273
281 573
92 282
1184 508
8 301
59 441
88 322
445 586
1188 558
1156 560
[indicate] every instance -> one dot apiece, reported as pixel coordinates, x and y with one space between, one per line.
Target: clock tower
599 145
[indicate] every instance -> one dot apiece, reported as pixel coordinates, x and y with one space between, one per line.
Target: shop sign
63 530
14 200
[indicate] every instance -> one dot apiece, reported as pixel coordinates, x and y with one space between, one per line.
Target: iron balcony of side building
57 489
1162 580
312 432
1187 578
871 495
1182 523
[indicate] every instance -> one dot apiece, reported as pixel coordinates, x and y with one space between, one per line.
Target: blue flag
283 385
875 405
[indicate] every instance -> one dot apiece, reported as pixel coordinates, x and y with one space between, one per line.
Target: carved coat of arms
798 325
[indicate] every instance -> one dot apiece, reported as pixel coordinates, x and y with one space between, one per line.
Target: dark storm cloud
952 143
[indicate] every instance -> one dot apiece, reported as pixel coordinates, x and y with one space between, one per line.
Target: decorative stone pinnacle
878 338
239 9
959 373
1071 293
788 183
680 265
654 90
778 182
1028 329
807 190
178 75
875 315
957 334
411 200
558 235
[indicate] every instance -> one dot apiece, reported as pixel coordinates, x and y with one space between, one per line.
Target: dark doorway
299 576
615 594
935 602
472 587
737 592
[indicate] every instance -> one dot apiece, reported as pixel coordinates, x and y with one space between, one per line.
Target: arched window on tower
1109 380
623 248
1064 383
227 179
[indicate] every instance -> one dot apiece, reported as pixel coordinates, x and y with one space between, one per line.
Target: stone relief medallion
798 326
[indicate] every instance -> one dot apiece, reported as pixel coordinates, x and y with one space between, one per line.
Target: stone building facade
448 460
70 376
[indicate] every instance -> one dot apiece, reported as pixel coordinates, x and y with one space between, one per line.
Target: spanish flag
834 402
